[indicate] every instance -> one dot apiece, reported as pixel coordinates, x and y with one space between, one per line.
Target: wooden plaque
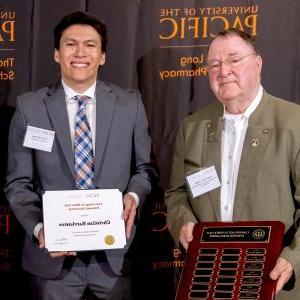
231 260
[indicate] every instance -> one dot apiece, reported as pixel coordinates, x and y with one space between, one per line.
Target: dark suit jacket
122 160
268 186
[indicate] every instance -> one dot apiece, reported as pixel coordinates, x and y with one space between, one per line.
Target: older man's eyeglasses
214 66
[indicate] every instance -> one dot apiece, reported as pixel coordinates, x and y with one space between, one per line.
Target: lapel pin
210 137
265 131
254 142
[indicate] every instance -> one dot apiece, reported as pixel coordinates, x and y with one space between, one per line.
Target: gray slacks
78 274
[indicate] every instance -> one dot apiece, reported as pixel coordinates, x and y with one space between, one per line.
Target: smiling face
234 84
79 56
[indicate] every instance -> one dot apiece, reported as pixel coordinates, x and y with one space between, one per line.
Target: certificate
83 220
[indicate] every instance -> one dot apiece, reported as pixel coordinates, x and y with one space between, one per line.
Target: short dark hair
243 35
80 17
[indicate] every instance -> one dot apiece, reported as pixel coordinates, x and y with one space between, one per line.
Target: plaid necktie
83 147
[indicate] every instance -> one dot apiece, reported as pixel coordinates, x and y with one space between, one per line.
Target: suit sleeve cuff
37 229
136 197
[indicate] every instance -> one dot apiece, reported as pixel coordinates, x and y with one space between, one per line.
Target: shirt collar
250 109
70 93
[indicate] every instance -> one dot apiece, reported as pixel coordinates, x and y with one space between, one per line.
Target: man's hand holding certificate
82 220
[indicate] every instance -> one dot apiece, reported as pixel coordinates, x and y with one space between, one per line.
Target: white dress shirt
72 107
233 136
90 109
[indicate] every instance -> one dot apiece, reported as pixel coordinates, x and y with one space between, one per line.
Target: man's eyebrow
76 40
68 39
91 40
229 55
233 54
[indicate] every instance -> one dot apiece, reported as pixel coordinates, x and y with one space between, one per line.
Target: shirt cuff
136 197
37 229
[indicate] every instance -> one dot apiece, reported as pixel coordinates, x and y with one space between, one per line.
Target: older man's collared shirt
233 136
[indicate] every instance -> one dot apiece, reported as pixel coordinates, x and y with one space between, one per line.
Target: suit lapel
212 153
256 141
56 106
213 158
105 108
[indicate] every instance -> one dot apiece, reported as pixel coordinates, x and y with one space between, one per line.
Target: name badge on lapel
38 138
202 181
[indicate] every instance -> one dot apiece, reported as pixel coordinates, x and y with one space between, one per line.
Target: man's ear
56 55
102 59
259 63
